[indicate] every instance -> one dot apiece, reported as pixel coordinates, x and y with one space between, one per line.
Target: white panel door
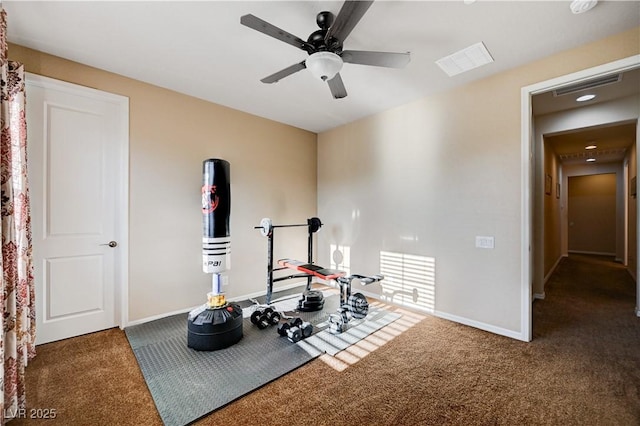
77 159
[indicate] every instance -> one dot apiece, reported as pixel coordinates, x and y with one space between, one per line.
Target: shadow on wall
341 258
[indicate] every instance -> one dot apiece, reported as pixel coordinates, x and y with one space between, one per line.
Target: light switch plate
485 242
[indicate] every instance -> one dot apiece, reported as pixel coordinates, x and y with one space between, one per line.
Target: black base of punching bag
215 328
312 300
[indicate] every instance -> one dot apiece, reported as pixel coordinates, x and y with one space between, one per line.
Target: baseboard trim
231 299
455 318
595 253
160 316
553 269
482 326
539 296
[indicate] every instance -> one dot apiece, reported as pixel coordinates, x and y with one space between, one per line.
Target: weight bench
312 300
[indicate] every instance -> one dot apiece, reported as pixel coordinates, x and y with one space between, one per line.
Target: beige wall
632 215
273 174
552 211
427 177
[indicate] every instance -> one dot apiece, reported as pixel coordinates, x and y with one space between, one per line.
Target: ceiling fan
324 46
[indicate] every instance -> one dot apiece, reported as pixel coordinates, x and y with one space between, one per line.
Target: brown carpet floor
582 368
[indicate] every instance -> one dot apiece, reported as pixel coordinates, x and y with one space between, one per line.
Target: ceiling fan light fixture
324 65
581 6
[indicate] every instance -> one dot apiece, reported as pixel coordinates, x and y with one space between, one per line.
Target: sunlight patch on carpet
340 360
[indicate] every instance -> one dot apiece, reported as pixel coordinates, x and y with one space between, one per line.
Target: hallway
588 294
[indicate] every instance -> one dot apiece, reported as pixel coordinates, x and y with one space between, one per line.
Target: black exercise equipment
264 317
295 329
211 329
218 323
311 300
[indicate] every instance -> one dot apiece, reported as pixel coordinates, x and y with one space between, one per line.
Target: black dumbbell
265 317
272 316
294 334
307 329
284 326
295 329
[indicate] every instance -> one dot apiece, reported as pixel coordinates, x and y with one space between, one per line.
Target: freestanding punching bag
216 210
217 324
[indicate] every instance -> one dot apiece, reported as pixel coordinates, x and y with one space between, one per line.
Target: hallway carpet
582 368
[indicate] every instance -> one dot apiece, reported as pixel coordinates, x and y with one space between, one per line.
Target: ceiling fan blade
337 87
275 77
264 27
378 59
348 17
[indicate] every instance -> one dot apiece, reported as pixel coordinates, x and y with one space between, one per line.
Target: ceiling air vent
588 84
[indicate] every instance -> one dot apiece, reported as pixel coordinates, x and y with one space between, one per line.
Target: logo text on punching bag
210 199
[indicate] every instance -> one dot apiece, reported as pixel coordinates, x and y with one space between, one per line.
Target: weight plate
358 305
283 328
255 315
274 318
294 334
313 296
307 329
266 226
314 224
263 322
306 306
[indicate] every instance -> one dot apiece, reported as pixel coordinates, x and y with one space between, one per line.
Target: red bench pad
311 269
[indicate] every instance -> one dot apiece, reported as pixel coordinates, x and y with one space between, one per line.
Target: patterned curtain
17 299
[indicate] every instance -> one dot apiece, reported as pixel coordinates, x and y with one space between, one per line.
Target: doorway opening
538 184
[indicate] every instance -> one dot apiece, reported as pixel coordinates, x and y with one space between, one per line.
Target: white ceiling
201 49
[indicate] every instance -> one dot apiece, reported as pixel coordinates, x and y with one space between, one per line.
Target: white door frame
527 170
122 195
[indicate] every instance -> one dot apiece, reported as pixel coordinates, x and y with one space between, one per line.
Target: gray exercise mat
187 384
324 341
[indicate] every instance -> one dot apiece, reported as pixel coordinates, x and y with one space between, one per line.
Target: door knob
110 244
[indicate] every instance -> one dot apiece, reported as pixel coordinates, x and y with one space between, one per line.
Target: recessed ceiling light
591 147
585 98
590 160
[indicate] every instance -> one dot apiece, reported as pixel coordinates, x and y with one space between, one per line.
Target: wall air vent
588 84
